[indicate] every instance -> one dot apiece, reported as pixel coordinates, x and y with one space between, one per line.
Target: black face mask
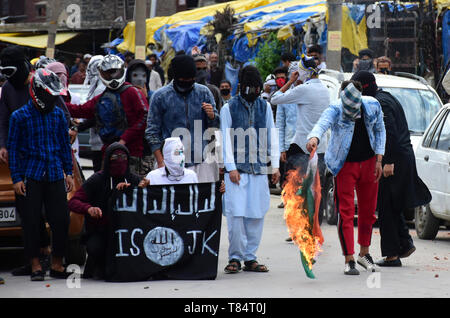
225 92
183 87
20 76
365 65
201 77
250 94
384 71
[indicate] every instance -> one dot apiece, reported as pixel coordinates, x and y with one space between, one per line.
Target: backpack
110 116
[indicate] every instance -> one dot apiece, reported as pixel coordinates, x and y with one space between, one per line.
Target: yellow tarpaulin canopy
37 41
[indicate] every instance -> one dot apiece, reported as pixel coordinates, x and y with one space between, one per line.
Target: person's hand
20 188
378 171
69 183
95 212
283 156
122 186
312 144
294 77
144 183
222 187
209 110
73 135
4 155
235 177
122 142
275 176
388 170
267 89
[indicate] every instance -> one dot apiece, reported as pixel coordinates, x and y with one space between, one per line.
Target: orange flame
308 237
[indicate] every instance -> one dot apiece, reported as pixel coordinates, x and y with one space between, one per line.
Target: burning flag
301 197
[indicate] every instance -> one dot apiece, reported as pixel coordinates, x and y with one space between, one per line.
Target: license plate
7 214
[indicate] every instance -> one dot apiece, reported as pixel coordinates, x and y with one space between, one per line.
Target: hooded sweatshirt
97 190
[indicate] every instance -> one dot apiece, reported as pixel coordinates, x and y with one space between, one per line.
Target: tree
269 55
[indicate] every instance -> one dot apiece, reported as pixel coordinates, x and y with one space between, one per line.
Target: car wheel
76 253
330 211
427 225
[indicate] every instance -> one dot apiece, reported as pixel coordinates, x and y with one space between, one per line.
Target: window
444 136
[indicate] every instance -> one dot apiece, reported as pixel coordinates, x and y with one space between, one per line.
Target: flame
306 236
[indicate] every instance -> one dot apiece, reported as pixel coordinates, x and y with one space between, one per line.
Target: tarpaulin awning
37 41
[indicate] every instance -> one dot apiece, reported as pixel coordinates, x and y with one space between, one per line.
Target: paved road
425 274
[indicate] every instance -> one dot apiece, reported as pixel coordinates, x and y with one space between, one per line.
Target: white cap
87 56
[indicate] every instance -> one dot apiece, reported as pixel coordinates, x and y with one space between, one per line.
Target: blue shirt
342 131
286 120
38 145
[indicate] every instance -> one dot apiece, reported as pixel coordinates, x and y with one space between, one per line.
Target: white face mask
174 158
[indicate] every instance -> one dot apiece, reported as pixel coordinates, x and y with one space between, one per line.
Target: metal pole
53 26
140 29
334 43
153 9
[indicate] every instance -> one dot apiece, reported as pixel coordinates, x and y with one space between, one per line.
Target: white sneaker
350 268
367 262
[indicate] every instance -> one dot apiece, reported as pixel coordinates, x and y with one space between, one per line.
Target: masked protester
184 104
38 162
311 98
400 187
15 94
364 62
225 91
246 176
92 200
201 77
174 171
119 112
216 72
354 158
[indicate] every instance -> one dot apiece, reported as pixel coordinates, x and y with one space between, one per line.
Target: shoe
350 268
58 274
289 239
407 252
37 276
394 263
367 262
24 270
281 205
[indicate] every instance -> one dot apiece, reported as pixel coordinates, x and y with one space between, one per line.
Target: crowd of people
136 116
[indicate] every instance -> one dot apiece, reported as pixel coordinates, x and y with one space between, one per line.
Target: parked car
83 136
433 167
418 99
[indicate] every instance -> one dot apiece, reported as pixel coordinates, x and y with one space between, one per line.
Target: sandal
234 266
253 266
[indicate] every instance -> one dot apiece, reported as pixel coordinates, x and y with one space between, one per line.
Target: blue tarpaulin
446 36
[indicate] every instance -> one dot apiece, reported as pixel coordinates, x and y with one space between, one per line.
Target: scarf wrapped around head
173 152
92 79
60 70
351 102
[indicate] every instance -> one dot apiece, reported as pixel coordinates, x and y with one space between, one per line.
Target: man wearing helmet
15 94
120 111
40 161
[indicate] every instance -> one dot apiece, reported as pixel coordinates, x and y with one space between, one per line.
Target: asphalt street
426 273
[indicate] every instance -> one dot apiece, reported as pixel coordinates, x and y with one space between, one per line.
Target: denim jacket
170 110
239 152
342 131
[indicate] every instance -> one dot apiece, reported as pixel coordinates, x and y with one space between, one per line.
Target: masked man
41 169
247 197
187 108
92 200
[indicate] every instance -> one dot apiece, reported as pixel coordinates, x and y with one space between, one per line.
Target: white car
433 167
420 103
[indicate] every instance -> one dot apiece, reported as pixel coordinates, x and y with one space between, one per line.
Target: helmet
112 71
45 88
43 62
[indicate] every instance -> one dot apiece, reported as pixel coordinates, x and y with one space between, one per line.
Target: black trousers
53 197
96 243
393 228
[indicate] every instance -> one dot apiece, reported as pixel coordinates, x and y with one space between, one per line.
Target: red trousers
359 176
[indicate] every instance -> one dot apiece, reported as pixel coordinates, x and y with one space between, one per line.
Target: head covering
15 56
45 89
351 102
200 58
60 70
132 66
250 83
367 79
173 152
87 56
183 66
306 68
107 167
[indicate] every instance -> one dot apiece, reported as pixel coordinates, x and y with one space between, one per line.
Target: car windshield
82 91
420 106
